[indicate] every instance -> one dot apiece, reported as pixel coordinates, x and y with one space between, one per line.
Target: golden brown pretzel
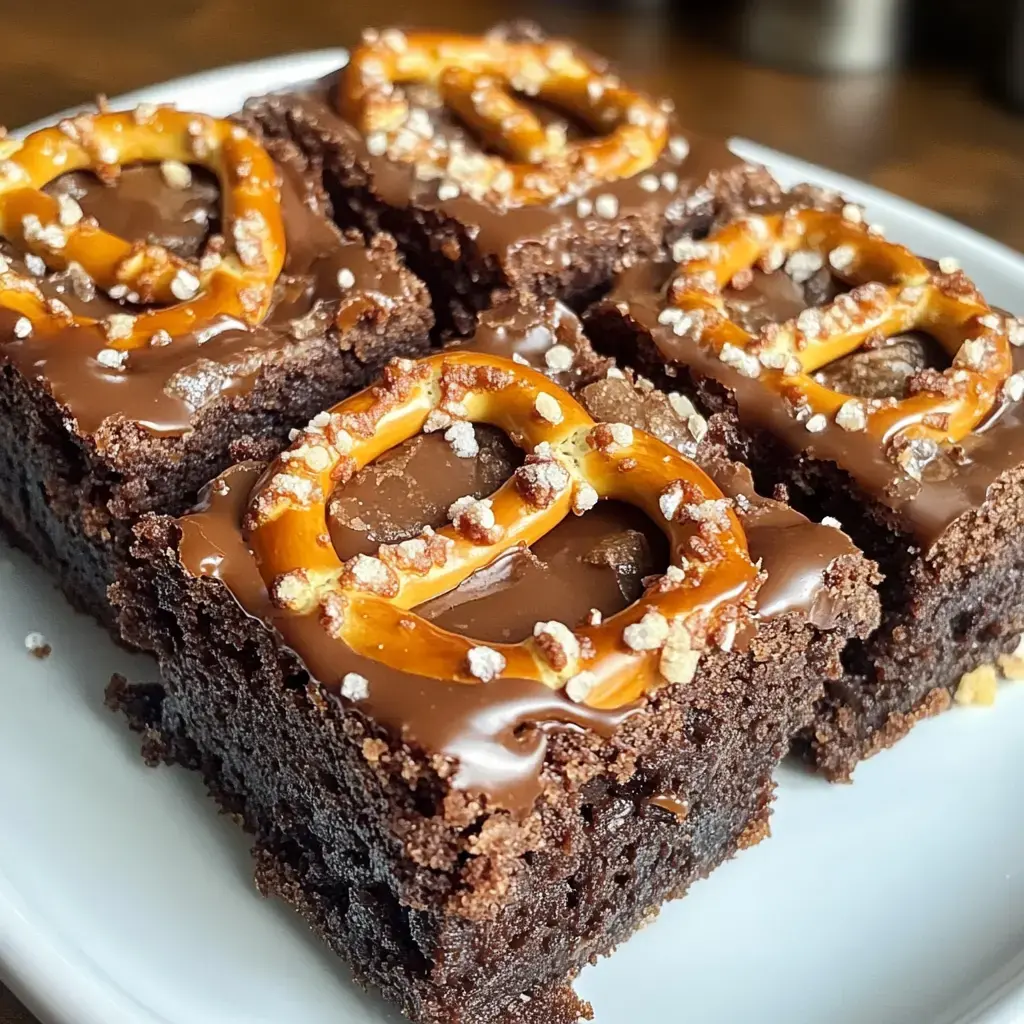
571 462
477 77
238 284
893 291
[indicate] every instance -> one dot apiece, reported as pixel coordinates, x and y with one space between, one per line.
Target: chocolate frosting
925 508
496 732
163 388
694 177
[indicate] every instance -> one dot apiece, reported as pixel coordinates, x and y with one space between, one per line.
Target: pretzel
571 462
477 78
238 284
893 291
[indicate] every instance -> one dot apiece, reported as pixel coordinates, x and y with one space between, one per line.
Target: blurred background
922 97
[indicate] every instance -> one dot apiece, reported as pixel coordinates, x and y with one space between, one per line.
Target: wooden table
926 136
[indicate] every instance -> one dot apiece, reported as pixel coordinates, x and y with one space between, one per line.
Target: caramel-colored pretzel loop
893 291
571 462
477 78
237 284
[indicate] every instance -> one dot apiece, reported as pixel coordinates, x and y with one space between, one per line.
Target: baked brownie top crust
329 284
420 153
551 591
949 423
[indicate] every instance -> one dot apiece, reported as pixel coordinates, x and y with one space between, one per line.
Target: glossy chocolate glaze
412 486
163 388
143 207
794 552
496 732
926 508
595 561
592 561
498 231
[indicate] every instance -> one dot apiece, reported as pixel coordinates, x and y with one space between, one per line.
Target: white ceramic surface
125 899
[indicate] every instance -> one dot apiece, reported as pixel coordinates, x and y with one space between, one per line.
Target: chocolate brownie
93 434
413 136
884 393
468 840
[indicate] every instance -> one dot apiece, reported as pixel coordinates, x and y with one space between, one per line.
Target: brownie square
468 846
941 514
91 436
438 180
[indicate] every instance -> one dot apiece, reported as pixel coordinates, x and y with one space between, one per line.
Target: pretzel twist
893 291
364 602
238 284
477 77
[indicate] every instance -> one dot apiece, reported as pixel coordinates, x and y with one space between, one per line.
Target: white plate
125 899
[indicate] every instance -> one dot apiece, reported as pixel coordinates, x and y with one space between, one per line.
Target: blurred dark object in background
824 35
1002 52
984 38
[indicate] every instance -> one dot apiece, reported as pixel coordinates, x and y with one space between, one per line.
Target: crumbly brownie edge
478 909
52 506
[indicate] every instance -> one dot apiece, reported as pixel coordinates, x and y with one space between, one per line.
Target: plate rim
31 959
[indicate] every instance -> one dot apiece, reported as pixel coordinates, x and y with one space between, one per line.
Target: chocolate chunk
615 400
591 561
628 555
